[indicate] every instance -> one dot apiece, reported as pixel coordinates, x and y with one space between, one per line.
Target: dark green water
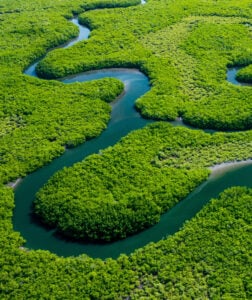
39 238
124 119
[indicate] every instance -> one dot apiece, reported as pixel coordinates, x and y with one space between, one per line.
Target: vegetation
186 265
185 48
127 187
192 265
245 74
187 72
39 118
184 51
34 134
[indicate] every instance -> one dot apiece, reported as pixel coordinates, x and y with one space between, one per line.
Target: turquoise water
231 77
124 118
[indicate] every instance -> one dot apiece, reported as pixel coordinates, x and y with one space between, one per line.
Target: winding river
124 118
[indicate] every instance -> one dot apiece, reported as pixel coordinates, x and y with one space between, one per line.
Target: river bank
124 118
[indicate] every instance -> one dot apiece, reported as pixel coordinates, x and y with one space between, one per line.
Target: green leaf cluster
185 48
123 190
208 258
245 74
39 119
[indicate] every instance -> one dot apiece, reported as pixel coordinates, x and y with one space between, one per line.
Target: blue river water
124 118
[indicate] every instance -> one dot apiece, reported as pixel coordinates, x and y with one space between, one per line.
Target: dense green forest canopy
209 258
245 75
127 187
185 48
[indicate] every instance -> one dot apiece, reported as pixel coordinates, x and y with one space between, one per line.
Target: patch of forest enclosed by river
185 48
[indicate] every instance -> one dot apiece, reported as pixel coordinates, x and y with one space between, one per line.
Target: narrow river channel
124 118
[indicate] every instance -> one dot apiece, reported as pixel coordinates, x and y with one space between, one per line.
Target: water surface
124 119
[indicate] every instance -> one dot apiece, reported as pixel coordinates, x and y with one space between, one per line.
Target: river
124 118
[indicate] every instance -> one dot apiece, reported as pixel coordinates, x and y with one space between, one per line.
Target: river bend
124 118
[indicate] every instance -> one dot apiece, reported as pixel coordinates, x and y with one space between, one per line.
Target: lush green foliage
245 74
200 49
184 47
205 150
121 190
34 134
38 118
165 47
208 258
118 192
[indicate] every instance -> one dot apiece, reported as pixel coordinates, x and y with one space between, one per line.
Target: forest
245 75
127 187
185 48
